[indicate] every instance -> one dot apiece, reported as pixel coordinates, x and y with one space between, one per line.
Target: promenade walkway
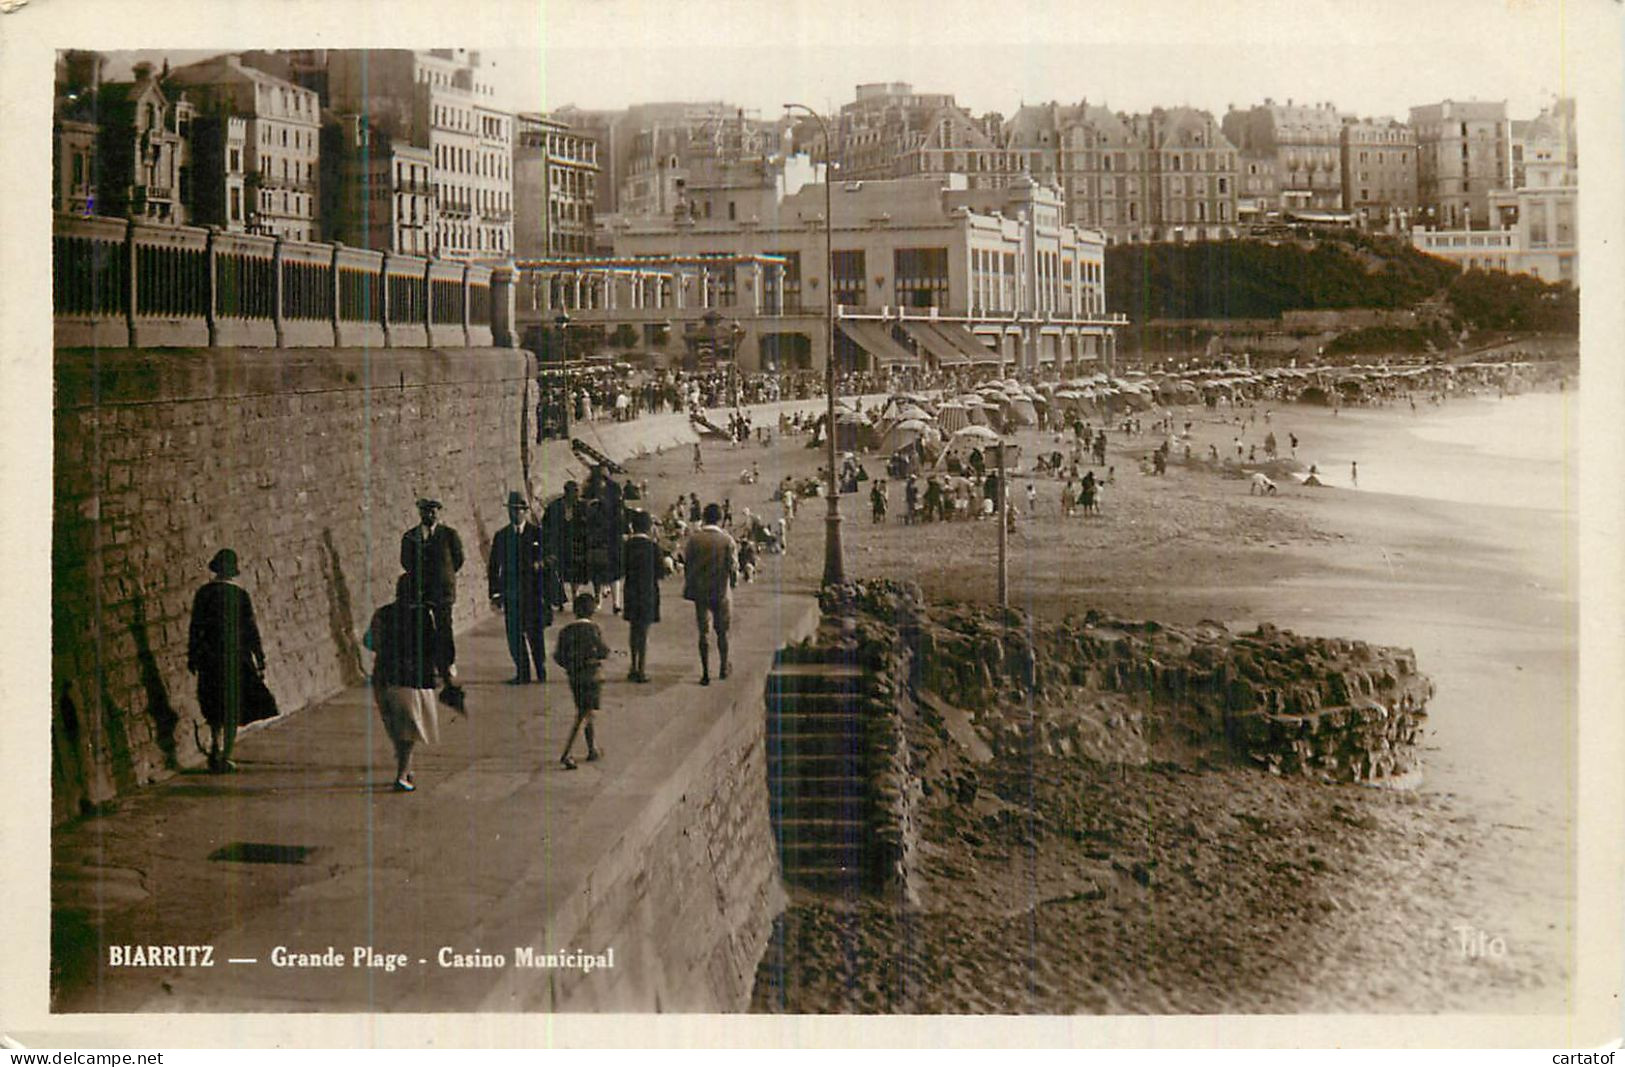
498 847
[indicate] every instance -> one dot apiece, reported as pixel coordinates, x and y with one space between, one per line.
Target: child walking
581 651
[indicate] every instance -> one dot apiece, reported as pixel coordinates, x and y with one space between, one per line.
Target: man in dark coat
644 565
606 527
564 530
224 651
432 554
514 579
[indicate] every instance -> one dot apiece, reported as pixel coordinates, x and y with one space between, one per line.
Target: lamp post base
834 568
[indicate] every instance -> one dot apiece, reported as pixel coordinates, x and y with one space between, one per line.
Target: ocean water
1504 727
1518 452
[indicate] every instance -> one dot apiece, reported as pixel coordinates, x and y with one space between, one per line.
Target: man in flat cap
432 554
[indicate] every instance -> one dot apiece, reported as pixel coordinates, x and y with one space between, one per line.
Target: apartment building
439 100
1463 153
380 192
1291 157
1379 172
555 185
884 122
1190 174
278 138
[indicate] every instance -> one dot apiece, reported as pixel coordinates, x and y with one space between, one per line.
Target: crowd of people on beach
620 393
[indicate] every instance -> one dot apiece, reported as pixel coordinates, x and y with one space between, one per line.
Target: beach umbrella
902 435
975 433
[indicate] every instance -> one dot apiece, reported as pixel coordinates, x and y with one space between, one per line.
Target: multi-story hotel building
1298 149
1190 176
674 149
1165 176
926 271
555 188
491 183
279 166
380 192
1379 172
884 123
1463 153
438 100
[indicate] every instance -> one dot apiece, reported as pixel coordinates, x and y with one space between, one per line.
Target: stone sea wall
307 463
687 895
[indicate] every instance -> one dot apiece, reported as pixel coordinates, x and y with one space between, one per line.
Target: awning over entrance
967 343
876 339
939 347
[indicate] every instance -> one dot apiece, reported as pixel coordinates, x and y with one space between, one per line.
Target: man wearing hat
515 582
432 554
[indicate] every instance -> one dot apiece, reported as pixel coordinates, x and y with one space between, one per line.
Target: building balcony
295 185
456 209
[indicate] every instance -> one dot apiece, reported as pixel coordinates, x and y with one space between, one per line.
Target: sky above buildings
1372 57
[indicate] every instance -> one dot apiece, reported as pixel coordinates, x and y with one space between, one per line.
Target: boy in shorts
581 651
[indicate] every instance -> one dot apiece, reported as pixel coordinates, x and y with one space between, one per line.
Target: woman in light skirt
403 676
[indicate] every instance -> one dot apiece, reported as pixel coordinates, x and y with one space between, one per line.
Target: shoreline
1485 593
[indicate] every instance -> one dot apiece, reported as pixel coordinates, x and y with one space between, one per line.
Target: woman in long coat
644 563
224 651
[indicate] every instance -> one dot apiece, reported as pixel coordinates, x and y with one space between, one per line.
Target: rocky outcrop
1333 709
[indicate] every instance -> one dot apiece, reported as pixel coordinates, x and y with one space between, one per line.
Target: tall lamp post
834 569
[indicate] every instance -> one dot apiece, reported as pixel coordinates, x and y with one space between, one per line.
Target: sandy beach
1459 543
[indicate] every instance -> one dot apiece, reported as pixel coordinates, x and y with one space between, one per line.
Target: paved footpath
496 848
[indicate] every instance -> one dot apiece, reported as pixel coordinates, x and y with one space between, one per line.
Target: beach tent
952 416
853 432
972 438
902 434
1019 411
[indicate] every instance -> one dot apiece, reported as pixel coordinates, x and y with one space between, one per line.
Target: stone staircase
820 768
